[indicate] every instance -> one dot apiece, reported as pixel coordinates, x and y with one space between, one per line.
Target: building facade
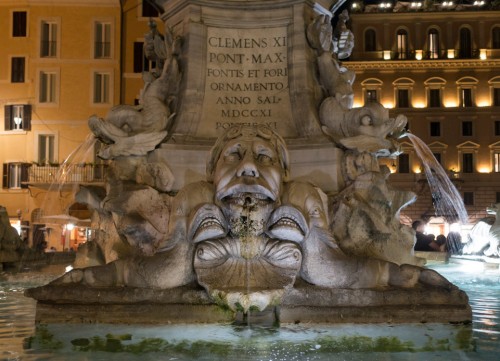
438 63
60 64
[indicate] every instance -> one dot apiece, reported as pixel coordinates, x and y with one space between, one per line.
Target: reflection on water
19 340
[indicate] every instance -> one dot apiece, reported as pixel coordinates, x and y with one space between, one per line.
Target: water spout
446 198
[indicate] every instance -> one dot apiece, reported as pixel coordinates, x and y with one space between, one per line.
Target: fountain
291 218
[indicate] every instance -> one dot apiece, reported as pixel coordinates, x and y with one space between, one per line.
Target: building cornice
422 64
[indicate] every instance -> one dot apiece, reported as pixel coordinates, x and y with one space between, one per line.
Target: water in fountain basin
447 199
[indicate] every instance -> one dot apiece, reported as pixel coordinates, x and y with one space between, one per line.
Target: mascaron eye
264 159
232 157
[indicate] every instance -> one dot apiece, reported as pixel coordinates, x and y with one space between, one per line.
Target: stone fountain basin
302 304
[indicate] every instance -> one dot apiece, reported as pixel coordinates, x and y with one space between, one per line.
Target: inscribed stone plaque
246 79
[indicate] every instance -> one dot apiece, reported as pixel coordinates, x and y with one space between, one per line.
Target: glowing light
484 169
387 55
70 226
450 103
68 268
447 4
416 5
418 54
418 104
483 103
451 53
417 170
385 5
482 54
355 5
357 105
455 227
478 3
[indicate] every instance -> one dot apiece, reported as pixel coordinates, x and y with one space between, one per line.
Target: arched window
495 38
370 40
465 51
433 44
402 44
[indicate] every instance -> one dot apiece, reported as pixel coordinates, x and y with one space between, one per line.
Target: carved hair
239 130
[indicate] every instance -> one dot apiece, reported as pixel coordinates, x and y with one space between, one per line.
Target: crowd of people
430 243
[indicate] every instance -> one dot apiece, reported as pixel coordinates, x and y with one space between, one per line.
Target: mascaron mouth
287 223
207 223
247 193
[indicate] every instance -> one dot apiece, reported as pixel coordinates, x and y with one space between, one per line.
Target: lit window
17 117
371 95
101 88
496 162
17 70
402 44
466 99
102 40
48 45
15 175
19 24
46 149
48 87
433 44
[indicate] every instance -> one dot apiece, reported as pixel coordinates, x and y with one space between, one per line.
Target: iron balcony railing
78 173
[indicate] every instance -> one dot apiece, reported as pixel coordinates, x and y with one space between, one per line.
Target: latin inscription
247 77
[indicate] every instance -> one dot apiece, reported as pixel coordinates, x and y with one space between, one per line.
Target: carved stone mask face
248 166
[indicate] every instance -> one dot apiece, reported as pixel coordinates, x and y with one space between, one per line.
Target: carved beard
247 214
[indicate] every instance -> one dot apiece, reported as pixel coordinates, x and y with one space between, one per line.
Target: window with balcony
17 117
404 163
467 162
48 41
102 40
370 40
465 51
46 149
101 88
495 38
15 175
17 69
149 10
469 198
19 24
48 87
433 46
402 44
467 128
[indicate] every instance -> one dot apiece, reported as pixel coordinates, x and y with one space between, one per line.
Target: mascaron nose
247 167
